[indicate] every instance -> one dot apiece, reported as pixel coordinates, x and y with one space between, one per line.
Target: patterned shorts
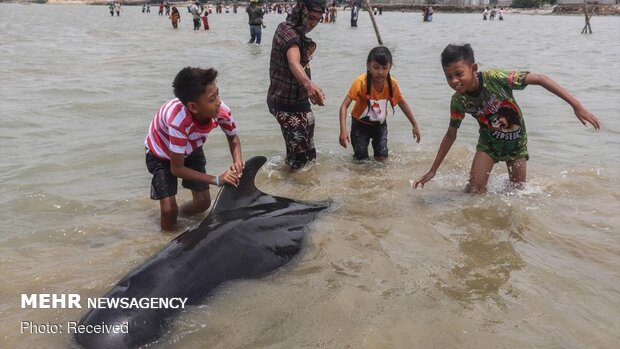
164 184
298 132
498 154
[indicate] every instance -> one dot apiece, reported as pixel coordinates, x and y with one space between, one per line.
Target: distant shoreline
596 9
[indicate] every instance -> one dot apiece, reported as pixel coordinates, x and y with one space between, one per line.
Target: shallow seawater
387 267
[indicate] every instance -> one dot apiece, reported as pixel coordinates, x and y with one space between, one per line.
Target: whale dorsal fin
231 197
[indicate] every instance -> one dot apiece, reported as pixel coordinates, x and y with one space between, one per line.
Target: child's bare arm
178 169
446 144
235 151
582 113
409 114
344 136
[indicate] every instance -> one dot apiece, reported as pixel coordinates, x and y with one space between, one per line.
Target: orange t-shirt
379 100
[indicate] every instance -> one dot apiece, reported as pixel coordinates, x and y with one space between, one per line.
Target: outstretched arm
344 136
582 113
409 114
446 144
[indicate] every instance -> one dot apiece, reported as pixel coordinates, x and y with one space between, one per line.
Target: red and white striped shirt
173 130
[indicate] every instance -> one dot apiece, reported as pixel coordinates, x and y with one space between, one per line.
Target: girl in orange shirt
372 92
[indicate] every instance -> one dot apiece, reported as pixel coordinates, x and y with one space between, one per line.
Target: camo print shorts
164 184
298 131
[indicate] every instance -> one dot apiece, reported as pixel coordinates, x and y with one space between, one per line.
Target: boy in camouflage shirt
487 96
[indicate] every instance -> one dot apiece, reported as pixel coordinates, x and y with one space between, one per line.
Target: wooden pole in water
374 24
586 28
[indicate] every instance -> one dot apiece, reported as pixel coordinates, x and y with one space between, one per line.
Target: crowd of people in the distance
491 13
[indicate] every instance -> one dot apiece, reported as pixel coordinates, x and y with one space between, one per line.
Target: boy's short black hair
192 82
454 53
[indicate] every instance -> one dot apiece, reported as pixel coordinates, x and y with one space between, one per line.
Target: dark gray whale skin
247 234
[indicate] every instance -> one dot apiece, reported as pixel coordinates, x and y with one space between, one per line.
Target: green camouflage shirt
502 129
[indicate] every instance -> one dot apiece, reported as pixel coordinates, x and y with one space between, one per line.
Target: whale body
247 234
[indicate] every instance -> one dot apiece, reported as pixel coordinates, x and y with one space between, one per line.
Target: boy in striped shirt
175 139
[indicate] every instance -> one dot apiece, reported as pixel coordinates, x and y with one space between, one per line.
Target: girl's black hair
190 83
383 56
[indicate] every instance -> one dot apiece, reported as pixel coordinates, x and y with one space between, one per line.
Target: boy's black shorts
164 184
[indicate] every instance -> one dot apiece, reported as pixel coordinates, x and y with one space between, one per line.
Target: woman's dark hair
383 56
454 53
190 83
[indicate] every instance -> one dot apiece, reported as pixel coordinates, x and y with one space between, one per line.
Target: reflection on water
483 269
489 229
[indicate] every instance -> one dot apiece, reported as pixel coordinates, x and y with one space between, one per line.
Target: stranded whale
247 234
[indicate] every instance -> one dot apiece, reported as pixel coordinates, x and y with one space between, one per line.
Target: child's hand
416 133
238 167
229 177
344 139
422 180
586 117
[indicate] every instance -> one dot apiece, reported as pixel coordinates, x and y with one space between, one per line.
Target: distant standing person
255 20
355 10
161 9
205 20
117 9
111 8
332 14
488 97
291 90
175 17
196 15
501 13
